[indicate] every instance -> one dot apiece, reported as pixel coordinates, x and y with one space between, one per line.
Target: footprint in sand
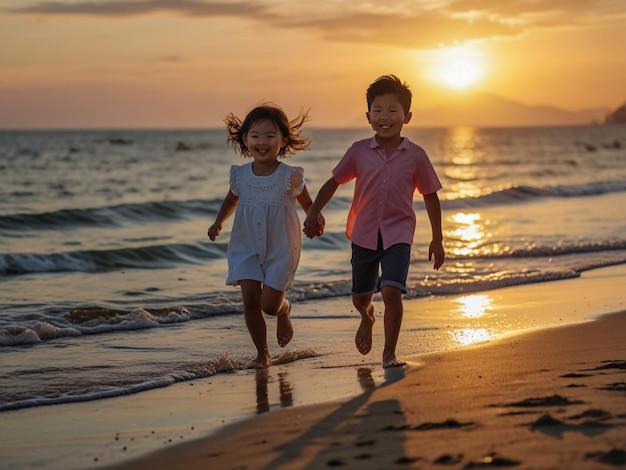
615 457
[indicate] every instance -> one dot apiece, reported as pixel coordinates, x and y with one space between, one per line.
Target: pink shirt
383 192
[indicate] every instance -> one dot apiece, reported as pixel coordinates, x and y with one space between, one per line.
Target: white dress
266 237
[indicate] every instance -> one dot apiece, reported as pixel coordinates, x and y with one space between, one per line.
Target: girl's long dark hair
236 129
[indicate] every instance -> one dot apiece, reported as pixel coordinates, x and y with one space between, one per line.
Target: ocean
109 285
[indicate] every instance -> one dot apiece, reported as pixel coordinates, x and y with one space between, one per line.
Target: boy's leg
364 305
251 293
364 282
395 267
273 303
392 298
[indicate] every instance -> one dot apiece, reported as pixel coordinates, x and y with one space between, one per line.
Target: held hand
310 231
314 225
321 224
436 250
214 231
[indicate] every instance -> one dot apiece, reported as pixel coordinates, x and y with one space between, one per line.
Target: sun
460 73
459 68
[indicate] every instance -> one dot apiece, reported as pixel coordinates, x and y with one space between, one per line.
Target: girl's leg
392 298
251 293
364 305
273 303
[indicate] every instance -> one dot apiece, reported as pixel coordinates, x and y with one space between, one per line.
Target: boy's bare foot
392 361
363 339
284 330
261 362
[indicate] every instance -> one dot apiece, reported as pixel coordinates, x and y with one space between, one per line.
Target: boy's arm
325 194
433 208
228 207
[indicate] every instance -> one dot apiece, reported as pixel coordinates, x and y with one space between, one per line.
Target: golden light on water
465 151
468 336
467 233
474 306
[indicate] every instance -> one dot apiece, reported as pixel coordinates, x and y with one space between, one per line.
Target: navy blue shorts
367 264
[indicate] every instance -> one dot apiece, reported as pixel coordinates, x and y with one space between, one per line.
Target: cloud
425 30
137 8
557 13
405 23
429 23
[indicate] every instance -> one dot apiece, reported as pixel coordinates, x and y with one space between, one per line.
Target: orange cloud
425 30
136 8
408 24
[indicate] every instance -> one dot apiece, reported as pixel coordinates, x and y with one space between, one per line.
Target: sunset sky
188 63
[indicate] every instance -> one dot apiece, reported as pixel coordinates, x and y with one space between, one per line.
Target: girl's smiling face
264 141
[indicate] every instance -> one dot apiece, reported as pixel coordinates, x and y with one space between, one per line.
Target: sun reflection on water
467 336
463 151
466 234
473 307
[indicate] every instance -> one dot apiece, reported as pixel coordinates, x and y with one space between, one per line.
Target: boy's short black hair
390 84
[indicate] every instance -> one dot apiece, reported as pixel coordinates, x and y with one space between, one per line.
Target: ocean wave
539 251
35 328
109 216
89 321
522 194
146 257
223 363
163 211
168 255
32 328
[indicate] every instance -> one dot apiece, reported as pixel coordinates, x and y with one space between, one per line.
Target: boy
381 223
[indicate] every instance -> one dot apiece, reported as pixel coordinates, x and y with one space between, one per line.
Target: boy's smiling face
387 117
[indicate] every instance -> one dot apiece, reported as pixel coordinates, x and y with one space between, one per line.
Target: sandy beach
549 397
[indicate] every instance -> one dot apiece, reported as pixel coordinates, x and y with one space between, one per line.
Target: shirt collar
403 145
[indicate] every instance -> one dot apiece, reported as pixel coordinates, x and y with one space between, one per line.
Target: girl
265 241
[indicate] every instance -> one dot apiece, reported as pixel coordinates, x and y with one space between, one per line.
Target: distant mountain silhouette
488 110
616 117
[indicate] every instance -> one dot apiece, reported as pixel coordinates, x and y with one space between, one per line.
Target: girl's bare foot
363 339
284 330
392 361
262 361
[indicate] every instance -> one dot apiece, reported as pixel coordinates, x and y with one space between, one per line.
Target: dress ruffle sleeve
234 180
295 181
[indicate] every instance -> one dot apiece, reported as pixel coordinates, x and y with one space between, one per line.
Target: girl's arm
304 198
325 194
435 249
226 210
